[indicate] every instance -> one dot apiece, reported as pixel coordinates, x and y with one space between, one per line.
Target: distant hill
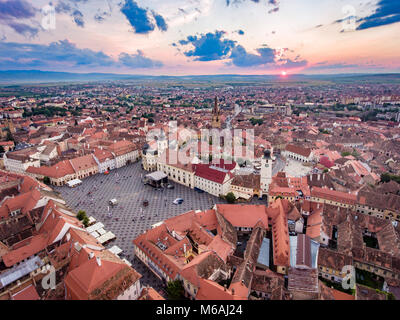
11 77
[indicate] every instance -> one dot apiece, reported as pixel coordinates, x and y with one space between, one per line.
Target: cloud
100 17
274 3
229 2
213 46
64 55
78 18
327 66
291 64
161 24
141 19
241 58
13 11
24 29
73 11
138 60
208 47
387 12
19 9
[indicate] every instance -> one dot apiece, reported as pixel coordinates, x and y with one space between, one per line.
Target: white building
298 153
20 162
214 179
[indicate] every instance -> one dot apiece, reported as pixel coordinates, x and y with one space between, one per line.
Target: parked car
170 186
178 201
113 202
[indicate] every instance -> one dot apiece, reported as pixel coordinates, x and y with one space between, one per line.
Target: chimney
224 287
319 177
233 291
98 260
91 255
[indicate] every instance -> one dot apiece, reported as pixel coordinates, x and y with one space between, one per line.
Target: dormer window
15 212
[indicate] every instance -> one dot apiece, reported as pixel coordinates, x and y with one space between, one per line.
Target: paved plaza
296 169
130 218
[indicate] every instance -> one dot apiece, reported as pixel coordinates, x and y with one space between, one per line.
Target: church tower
216 120
162 143
266 171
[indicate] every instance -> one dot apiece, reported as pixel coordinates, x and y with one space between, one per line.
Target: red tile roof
298 150
334 195
245 216
28 293
35 245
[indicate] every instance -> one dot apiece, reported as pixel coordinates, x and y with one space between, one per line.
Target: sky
200 37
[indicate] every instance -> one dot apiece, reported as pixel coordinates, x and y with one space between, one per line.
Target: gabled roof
31 246
83 163
245 216
206 171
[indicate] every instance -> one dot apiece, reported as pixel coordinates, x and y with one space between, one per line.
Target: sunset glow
200 36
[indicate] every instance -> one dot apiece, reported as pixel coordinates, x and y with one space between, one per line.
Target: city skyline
178 37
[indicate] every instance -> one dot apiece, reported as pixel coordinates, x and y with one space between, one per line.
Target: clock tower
266 171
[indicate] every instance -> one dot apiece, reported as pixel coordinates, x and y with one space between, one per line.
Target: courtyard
130 218
296 169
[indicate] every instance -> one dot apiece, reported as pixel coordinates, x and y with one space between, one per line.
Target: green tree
46 180
175 290
230 197
81 215
85 221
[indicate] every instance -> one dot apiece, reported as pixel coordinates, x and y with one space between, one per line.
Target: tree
387 177
2 150
391 296
81 215
46 180
230 197
175 290
85 221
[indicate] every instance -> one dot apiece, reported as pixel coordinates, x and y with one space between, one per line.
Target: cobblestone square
130 218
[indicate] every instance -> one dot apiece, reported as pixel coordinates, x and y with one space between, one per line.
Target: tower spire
216 121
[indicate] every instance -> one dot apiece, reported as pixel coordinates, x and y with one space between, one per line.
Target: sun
284 73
